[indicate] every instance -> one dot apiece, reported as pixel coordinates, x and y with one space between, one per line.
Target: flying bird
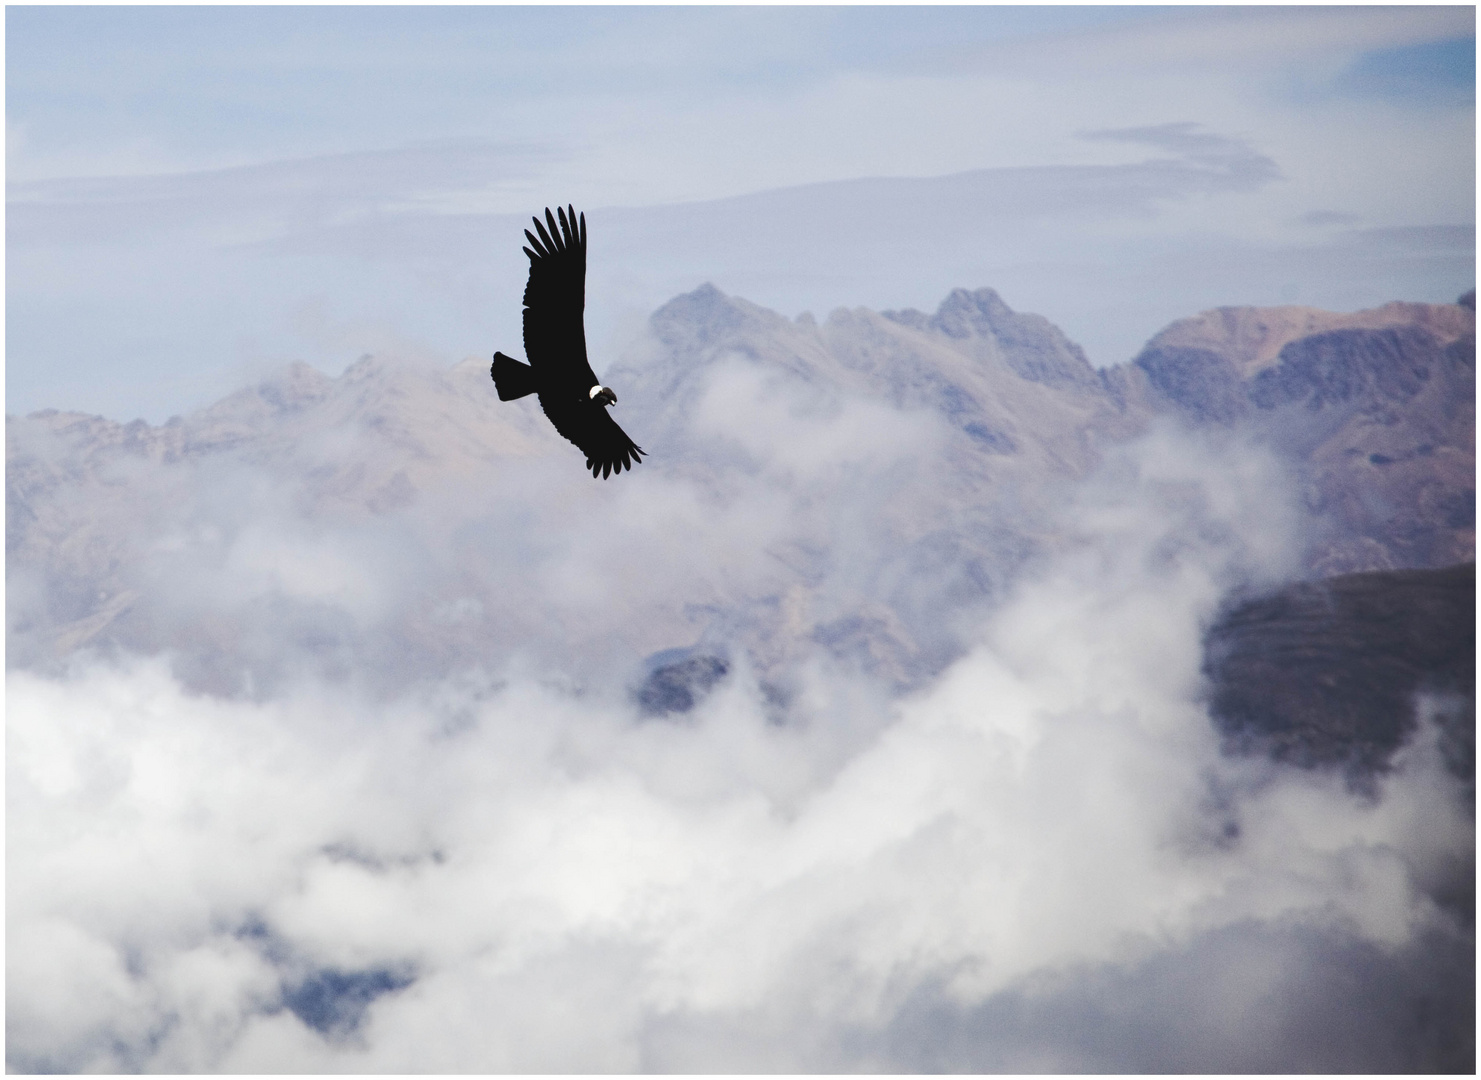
555 345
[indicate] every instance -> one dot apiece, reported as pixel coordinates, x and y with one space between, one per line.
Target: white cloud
511 873
824 438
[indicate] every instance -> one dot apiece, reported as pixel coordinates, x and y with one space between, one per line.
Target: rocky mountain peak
291 389
1251 338
696 320
1031 345
299 383
963 314
1375 407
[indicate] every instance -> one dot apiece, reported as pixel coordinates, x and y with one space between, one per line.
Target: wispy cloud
238 206
383 155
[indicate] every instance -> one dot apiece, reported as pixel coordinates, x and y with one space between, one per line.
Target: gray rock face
1200 383
1341 366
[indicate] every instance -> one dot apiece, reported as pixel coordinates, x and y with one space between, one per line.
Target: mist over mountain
354 726
906 464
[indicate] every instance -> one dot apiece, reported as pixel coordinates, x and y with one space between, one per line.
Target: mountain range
851 491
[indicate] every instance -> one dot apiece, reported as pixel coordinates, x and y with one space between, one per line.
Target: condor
555 345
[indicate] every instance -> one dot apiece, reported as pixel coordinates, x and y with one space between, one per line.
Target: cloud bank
1037 860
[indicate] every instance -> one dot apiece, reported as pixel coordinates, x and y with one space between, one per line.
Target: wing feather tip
549 243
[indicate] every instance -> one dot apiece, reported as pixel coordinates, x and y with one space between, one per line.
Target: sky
196 195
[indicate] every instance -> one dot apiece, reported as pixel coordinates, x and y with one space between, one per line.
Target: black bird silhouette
555 345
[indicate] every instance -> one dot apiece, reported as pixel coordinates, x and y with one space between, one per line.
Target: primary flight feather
555 345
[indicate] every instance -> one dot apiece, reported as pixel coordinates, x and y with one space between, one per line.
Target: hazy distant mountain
1010 386
886 474
1376 409
221 534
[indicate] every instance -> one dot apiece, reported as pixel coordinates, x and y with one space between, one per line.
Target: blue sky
197 194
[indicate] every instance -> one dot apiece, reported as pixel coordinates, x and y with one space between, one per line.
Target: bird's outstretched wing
607 447
555 300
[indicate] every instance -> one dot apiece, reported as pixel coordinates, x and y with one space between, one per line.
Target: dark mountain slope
1328 672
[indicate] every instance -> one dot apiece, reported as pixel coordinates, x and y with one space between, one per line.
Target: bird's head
602 395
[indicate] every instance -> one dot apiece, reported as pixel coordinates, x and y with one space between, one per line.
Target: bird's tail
511 378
